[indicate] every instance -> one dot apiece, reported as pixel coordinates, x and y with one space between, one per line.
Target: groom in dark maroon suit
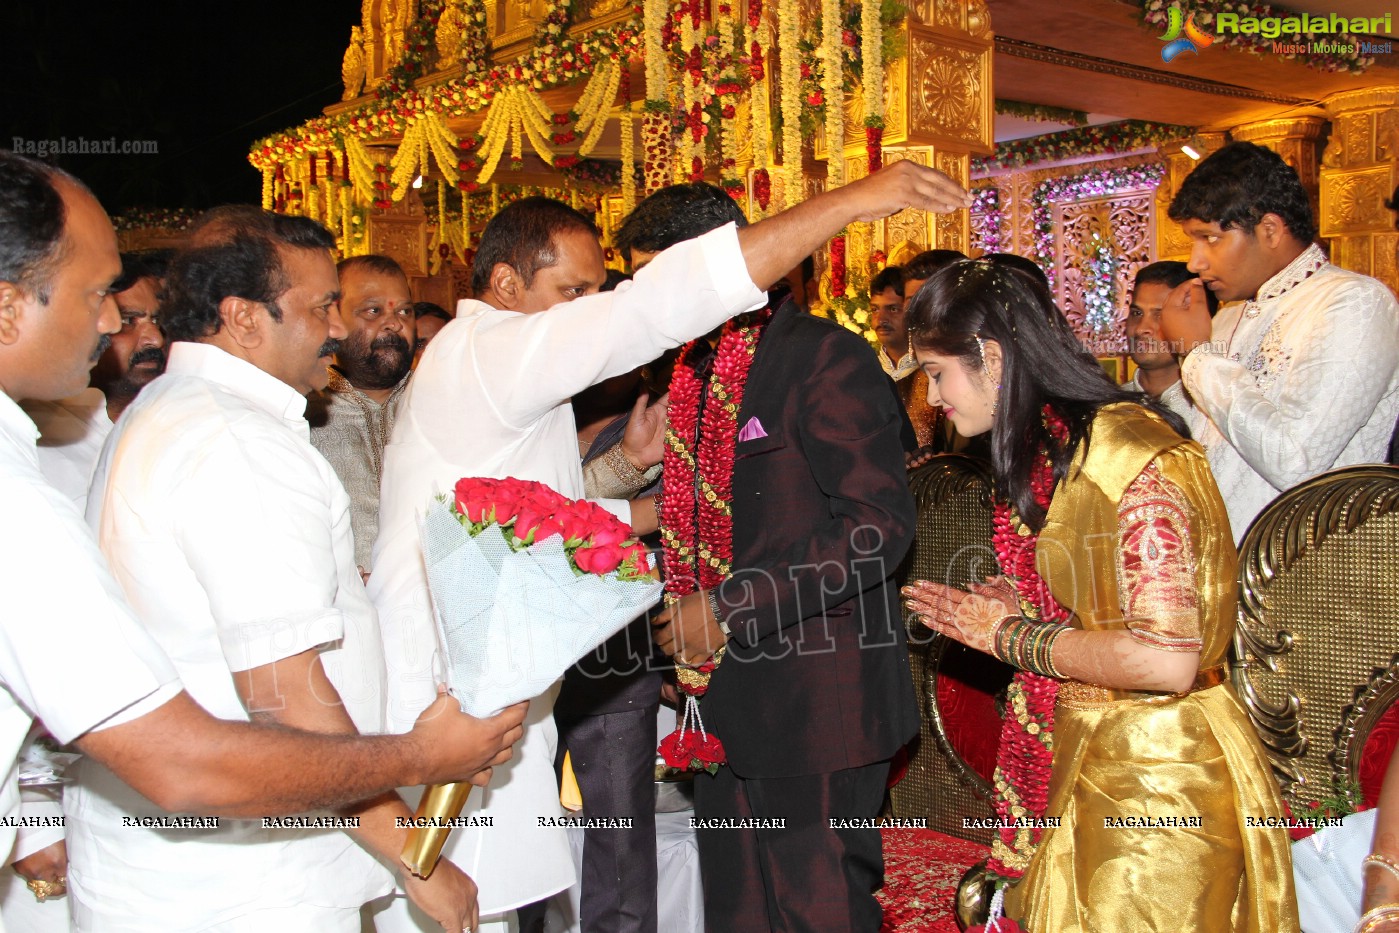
814 695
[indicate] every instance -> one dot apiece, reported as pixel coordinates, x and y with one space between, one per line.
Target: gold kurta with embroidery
1154 792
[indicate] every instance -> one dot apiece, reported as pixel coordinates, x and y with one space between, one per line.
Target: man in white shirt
491 396
72 430
71 652
231 536
71 433
1299 371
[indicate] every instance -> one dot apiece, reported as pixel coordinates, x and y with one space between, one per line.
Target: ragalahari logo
1193 39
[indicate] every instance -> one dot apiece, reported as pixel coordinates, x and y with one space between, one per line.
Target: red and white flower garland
696 511
1026 754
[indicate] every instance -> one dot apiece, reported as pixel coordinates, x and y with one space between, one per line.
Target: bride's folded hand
969 618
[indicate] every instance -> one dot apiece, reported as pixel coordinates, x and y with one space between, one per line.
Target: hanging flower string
696 513
627 142
838 265
760 117
872 56
788 25
833 89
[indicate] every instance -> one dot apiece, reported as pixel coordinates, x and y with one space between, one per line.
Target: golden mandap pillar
1171 241
1295 139
1358 174
938 110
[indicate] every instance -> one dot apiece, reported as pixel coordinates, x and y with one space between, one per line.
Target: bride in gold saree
1117 605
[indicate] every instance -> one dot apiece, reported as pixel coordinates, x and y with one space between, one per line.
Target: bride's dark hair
1043 363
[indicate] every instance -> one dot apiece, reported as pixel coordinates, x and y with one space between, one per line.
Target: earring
981 348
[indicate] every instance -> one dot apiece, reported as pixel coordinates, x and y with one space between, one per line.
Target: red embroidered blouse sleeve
1155 564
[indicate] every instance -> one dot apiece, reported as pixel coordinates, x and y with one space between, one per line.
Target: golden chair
1317 646
957 686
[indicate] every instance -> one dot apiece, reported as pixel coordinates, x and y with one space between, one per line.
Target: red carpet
921 871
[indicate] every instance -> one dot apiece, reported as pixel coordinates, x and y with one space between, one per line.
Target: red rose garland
696 514
1026 754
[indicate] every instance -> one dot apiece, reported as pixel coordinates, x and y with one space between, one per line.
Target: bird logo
1182 35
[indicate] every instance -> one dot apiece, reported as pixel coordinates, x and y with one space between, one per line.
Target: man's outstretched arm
186 761
772 247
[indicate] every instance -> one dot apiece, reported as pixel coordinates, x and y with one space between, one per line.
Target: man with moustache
887 321
1158 371
352 417
110 690
231 535
491 397
72 430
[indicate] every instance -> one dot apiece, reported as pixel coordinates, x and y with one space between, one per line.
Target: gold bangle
1383 861
1372 918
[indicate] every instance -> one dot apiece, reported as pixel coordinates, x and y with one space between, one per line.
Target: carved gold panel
950 94
1386 135
1357 146
953 231
1384 263
403 239
1353 202
461 285
907 225
1352 252
516 20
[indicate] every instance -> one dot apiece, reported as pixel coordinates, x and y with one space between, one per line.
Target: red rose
609 532
474 498
573 524
709 750
675 749
638 560
600 559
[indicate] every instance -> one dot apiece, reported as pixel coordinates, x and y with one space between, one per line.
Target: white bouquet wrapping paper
511 622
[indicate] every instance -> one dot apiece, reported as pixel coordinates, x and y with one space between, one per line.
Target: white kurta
71 652
491 398
231 536
1301 380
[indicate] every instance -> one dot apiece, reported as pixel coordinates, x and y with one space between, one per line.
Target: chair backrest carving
953 495
1318 636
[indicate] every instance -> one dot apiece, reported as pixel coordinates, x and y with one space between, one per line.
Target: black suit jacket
816 678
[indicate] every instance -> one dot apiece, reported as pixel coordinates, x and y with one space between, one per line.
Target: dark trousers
614 757
805 878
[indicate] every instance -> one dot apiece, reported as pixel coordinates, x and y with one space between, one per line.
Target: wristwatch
714 608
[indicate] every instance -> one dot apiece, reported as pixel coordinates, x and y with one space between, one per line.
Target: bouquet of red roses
524 583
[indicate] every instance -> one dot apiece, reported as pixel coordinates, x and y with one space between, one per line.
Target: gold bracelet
1383 861
1375 916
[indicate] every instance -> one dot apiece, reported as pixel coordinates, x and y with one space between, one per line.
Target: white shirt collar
1308 262
15 423
238 376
